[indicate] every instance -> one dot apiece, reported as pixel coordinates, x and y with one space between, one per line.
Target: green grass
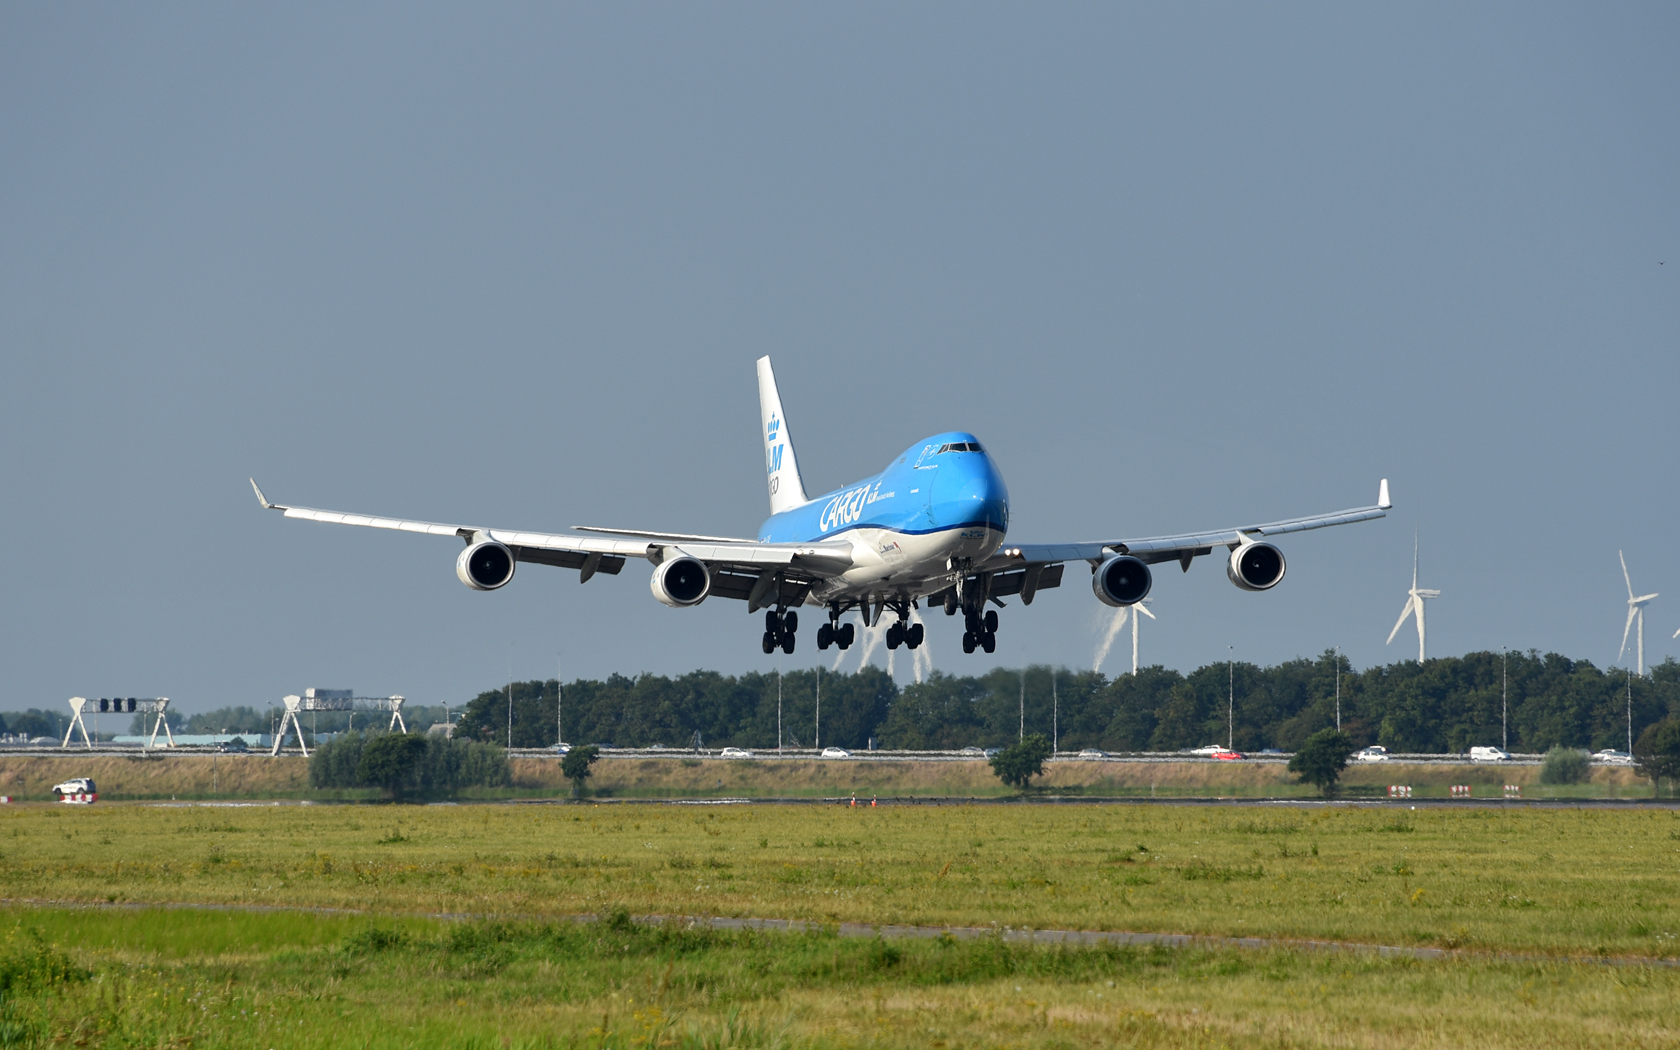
1548 884
151 977
1552 882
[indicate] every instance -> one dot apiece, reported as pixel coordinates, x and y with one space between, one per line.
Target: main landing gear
778 631
981 631
835 633
906 634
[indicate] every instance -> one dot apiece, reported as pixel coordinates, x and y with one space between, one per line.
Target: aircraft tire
895 636
988 641
848 634
968 641
769 643
991 622
790 622
787 643
825 635
913 637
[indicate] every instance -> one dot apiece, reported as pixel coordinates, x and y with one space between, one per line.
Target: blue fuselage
944 484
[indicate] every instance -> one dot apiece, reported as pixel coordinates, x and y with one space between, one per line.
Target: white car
79 790
1374 753
1488 754
836 752
1092 752
1611 757
1211 749
735 752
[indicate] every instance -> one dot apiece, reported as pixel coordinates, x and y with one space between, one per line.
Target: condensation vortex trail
1007 934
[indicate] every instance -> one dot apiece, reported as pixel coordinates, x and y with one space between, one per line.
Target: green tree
1564 765
1322 759
575 766
1657 751
391 760
1016 766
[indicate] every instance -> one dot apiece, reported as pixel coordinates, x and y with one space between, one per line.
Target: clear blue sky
1179 266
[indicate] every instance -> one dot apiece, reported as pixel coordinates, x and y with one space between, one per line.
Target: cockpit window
960 446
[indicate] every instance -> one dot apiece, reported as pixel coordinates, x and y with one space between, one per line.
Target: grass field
258 776
1547 884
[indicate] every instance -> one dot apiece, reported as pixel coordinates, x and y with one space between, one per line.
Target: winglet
1382 495
262 498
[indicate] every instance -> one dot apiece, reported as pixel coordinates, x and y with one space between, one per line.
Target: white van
1488 754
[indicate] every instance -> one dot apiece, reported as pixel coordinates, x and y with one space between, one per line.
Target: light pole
1230 698
1022 733
818 741
1338 688
1504 705
559 703
1055 715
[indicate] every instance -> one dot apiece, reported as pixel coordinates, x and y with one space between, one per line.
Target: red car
1230 756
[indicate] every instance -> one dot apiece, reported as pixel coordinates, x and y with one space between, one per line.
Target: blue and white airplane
930 530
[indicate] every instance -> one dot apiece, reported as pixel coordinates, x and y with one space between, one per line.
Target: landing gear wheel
968 642
913 637
988 641
991 622
790 621
846 635
951 603
787 643
772 622
769 643
825 636
895 636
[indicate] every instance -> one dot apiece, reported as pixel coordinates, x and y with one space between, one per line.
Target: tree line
1446 705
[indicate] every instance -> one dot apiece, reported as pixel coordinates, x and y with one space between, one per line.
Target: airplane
928 531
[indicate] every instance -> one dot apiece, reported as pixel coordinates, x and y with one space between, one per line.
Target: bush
392 761
1564 765
1017 765
1657 751
443 767
1322 759
575 766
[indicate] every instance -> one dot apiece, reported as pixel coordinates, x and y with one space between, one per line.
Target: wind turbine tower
1414 605
1138 611
1636 611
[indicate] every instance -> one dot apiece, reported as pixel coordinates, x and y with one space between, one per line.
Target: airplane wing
740 568
1180 548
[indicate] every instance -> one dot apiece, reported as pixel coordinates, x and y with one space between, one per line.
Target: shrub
1322 759
1017 765
1564 765
575 766
443 767
1657 751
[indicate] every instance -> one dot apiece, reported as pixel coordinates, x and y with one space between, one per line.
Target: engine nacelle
681 582
1256 567
485 566
1121 580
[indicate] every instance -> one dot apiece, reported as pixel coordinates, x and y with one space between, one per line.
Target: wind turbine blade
1642 599
1407 611
1677 634
1625 578
1633 611
1144 611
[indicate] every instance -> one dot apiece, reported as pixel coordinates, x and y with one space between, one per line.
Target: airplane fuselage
942 500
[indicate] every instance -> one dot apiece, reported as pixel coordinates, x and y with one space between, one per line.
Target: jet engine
1121 580
681 582
485 566
1256 567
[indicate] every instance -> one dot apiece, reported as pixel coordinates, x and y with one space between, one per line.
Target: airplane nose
984 497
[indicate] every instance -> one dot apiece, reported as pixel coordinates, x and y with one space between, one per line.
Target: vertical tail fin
787 491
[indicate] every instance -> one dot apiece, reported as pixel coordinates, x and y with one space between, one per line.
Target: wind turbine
1414 604
1636 611
1114 625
